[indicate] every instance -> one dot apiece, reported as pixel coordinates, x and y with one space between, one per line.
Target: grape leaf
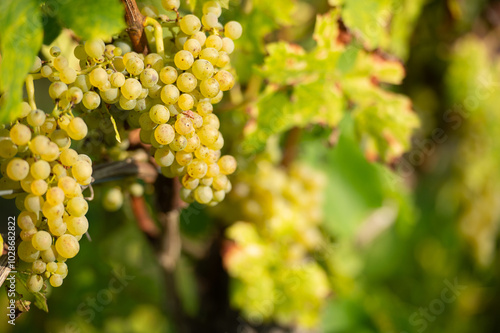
286 63
90 18
22 36
40 298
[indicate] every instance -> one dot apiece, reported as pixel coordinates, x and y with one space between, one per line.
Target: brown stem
291 147
144 220
135 21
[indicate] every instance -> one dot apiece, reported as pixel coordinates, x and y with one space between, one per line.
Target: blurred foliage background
390 244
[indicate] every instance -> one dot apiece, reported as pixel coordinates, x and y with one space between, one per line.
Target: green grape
164 157
67 246
227 45
233 30
197 120
149 77
51 267
113 199
60 138
49 126
7 149
203 69
210 87
34 283
56 280
146 122
170 4
27 235
52 211
213 156
210 54
91 100
223 59
218 144
42 240
55 196
77 207
62 268
184 126
27 252
193 46
38 266
225 79
154 61
46 71
136 189
111 95
39 187
127 104
214 41
204 108
189 182
49 256
159 114
98 77
140 105
79 52
183 59
180 39
117 79
220 182
74 95
68 157
36 118
77 129
200 37
169 94
206 181
217 98
178 143
68 185
20 134
59 230
208 135
211 120
177 170
203 194
209 20
94 48
26 220
77 225
81 170
190 24
51 153
131 89
168 75
134 66
37 65
67 75
212 7
60 63
219 195
183 158
201 152
193 142
197 168
164 134
83 82
186 82
155 91
17 169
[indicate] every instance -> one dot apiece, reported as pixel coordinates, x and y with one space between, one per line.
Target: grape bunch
37 161
279 239
169 97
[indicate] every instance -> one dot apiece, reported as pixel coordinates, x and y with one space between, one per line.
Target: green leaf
40 298
286 63
90 18
20 41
